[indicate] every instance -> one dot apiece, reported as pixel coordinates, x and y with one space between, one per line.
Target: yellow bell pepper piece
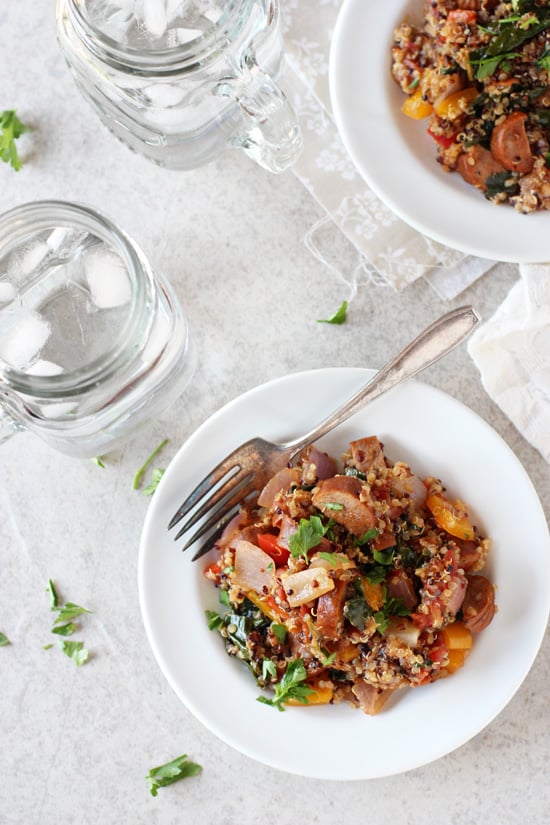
452 518
456 636
373 593
457 103
416 107
456 660
268 606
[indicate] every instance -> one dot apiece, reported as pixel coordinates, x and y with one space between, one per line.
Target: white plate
396 156
437 436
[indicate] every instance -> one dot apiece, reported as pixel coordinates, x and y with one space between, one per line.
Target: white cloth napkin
512 352
383 249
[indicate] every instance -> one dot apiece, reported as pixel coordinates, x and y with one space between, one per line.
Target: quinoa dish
478 71
348 581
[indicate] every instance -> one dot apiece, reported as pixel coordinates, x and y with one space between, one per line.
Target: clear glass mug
93 342
180 81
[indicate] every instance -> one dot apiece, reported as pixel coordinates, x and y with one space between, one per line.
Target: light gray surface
76 743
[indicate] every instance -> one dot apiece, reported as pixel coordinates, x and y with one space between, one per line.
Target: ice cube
154 17
58 410
23 340
27 259
42 367
164 95
107 278
7 292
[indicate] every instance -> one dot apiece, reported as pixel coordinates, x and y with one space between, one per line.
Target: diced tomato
213 571
465 16
268 543
421 620
443 141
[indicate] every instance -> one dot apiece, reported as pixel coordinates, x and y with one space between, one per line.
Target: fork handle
428 347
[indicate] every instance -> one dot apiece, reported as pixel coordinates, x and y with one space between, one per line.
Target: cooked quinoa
348 581
479 71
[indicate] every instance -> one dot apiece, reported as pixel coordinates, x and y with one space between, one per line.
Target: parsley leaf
75 651
178 768
99 461
279 631
140 473
214 620
65 629
269 668
54 599
309 534
370 534
339 316
12 128
384 557
156 476
69 611
4 640
290 686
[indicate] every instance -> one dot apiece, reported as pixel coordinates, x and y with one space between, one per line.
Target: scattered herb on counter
54 598
4 640
290 686
63 625
156 476
99 461
178 768
12 128
140 473
339 316
75 651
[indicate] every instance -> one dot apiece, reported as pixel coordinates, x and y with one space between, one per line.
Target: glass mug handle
272 135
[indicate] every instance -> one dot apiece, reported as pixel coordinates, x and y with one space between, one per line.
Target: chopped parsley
75 651
136 483
509 34
309 534
279 631
339 316
63 625
156 476
4 640
170 772
269 669
11 129
290 686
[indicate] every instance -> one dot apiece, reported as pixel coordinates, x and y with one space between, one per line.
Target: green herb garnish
54 599
64 629
269 669
70 611
4 640
140 473
279 631
156 476
290 686
12 128
332 505
339 316
368 536
75 651
384 557
308 535
164 775
99 461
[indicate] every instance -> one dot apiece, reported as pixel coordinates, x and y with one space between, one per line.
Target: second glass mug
180 81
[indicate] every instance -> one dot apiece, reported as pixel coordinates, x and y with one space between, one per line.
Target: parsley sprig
309 534
290 686
170 772
12 128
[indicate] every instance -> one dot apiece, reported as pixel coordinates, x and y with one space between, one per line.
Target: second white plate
397 158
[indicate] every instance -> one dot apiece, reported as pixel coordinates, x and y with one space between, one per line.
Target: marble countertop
77 743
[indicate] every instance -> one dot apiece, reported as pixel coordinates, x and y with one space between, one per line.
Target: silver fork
245 471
